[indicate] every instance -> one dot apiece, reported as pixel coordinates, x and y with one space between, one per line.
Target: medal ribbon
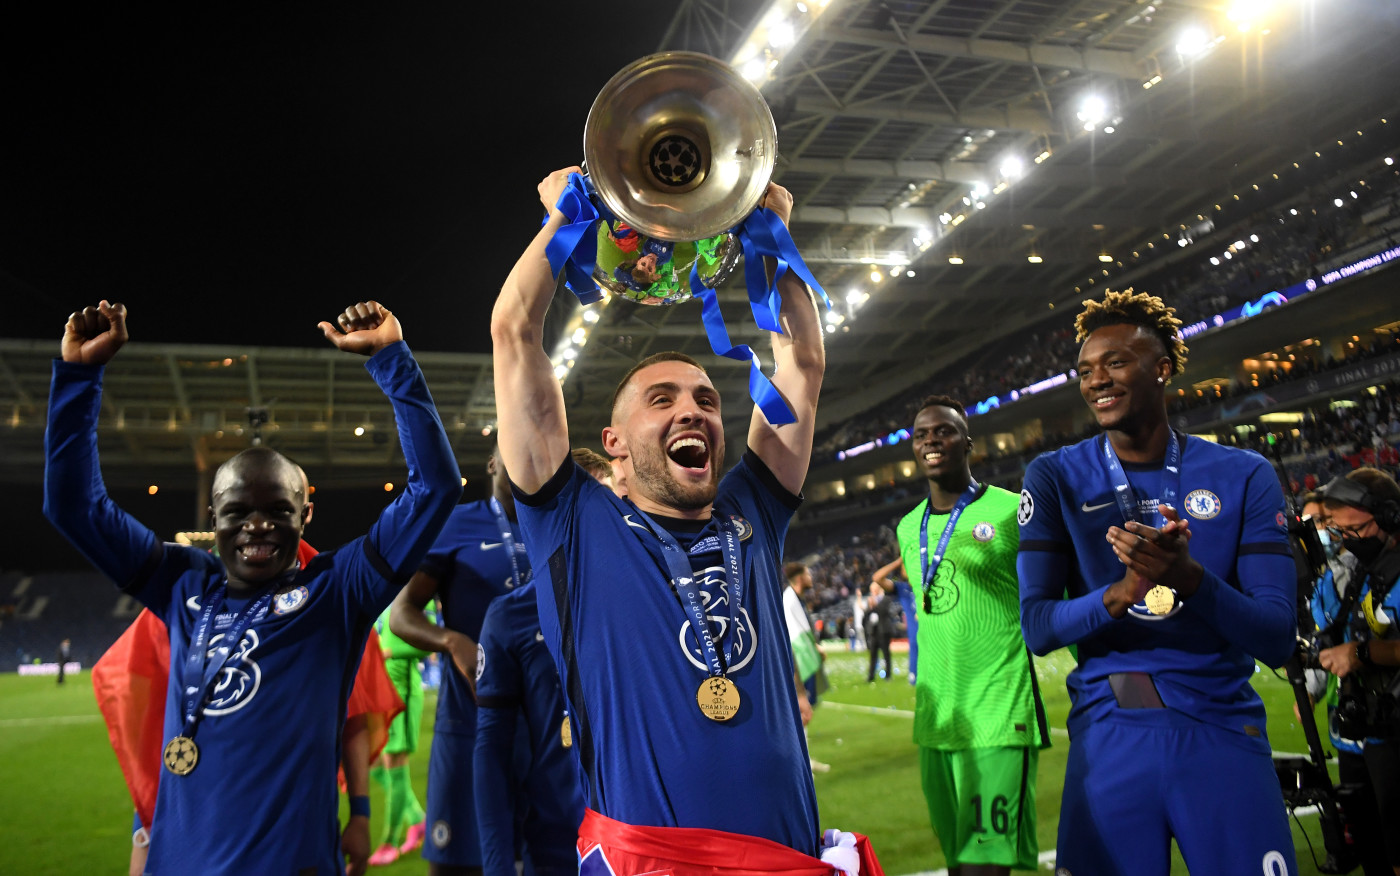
201 672
929 569
508 538
683 580
1123 491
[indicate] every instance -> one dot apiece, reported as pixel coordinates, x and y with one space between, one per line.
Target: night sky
235 174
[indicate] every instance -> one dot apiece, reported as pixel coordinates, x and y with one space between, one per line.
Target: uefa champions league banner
48 668
1357 375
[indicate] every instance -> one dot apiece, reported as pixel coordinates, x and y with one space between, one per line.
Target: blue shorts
1146 776
452 838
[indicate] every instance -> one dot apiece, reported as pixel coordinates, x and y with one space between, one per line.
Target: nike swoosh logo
630 522
1086 507
486 547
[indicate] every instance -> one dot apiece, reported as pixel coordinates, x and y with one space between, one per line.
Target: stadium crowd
1282 246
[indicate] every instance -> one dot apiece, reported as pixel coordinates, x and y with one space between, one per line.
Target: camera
1366 709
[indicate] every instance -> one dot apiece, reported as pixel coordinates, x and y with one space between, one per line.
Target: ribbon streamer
574 250
574 247
761 389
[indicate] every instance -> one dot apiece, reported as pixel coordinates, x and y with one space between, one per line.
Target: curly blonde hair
1135 308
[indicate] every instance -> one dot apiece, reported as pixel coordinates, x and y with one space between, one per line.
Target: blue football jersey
470 563
631 665
1201 654
262 797
515 676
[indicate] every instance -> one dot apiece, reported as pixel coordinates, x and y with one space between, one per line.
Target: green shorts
403 730
982 804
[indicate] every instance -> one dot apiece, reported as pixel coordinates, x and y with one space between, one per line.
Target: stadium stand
44 608
1299 237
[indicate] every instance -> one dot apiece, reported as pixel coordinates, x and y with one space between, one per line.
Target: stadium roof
891 115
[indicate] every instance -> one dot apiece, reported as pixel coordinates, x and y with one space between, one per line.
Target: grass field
65 810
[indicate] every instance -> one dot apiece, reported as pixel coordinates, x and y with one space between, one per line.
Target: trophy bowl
679 149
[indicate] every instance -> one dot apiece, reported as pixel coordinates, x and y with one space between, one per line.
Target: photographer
1364 512
1327 605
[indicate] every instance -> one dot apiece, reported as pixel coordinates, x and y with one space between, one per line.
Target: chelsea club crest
742 527
1202 504
984 531
293 599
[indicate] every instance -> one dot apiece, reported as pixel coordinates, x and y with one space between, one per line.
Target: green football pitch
64 807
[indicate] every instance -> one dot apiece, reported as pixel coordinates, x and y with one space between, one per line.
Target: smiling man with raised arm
263 650
663 611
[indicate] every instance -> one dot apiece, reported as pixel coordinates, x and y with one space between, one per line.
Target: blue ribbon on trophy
670 199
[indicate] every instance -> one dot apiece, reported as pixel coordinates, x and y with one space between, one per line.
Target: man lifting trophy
663 610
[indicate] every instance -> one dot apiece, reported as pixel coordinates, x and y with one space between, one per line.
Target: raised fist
93 335
364 328
779 200
552 186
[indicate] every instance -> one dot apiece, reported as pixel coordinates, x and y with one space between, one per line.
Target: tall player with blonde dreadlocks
1165 559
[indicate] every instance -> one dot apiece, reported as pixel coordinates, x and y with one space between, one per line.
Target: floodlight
755 70
1092 110
1012 167
1192 41
781 34
955 260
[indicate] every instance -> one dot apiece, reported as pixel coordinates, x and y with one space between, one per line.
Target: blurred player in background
807 659
404 826
478 557
526 778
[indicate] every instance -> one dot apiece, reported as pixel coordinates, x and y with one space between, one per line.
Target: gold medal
718 698
1160 600
566 734
181 755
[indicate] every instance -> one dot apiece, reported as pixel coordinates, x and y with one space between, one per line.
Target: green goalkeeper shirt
976 685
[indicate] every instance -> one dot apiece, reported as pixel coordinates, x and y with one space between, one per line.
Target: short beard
650 477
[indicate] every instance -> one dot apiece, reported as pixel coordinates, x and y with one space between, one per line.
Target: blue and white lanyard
683 580
201 671
1123 491
508 539
928 569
